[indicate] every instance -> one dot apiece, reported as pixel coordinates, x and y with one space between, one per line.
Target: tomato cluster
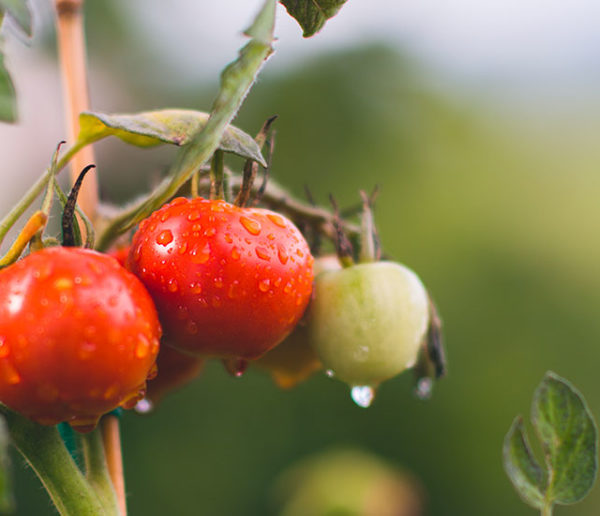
79 334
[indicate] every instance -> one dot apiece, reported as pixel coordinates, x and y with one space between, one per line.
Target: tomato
175 370
228 282
367 321
78 336
294 360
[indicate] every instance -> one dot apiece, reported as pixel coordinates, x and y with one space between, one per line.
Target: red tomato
78 336
227 281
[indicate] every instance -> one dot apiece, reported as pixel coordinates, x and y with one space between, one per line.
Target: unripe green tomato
367 321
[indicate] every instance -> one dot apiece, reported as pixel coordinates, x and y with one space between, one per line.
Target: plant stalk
97 470
44 450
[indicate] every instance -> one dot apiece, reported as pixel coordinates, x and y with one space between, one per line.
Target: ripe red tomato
78 336
227 281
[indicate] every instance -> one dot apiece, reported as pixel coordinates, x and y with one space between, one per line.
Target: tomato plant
227 281
78 336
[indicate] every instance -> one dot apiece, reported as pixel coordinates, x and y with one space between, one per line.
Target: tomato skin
228 282
78 336
367 321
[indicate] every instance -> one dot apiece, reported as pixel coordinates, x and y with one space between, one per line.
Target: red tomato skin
227 281
78 336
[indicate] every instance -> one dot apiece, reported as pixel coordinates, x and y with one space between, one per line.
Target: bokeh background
480 123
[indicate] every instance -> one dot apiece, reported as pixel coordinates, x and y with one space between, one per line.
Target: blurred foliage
500 219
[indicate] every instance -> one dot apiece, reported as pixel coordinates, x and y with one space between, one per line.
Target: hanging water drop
235 366
363 395
330 373
424 388
144 406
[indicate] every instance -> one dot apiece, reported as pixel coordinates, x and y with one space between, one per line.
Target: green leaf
174 126
521 466
8 101
261 29
312 14
569 439
7 503
19 12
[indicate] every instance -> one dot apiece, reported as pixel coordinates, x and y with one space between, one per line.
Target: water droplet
278 282
173 286
263 285
165 237
218 282
10 374
196 228
228 238
252 226
153 372
362 395
86 350
216 302
217 206
424 388
63 283
202 255
191 327
330 373
235 253
111 392
288 288
299 253
144 406
210 231
4 349
271 236
276 219
235 366
282 254
233 289
262 253
142 348
196 288
182 248
193 215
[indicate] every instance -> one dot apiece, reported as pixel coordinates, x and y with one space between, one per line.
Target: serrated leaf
312 14
19 12
6 495
569 438
521 466
174 126
8 101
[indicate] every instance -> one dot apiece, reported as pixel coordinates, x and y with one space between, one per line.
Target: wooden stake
71 50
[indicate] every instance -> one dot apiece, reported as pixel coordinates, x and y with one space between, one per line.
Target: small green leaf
261 29
7 503
19 12
174 126
8 101
521 466
569 439
312 14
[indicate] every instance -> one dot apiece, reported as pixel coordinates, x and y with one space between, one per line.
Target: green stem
44 450
13 215
97 470
547 510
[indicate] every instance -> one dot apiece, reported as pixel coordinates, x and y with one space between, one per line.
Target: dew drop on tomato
362 395
252 226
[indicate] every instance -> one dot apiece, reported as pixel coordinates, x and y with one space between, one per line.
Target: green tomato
367 321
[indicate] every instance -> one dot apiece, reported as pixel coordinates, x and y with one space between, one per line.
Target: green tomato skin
367 321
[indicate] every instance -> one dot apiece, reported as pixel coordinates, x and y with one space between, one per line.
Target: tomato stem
44 450
216 176
111 436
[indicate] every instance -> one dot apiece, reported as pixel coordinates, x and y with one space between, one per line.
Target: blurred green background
493 201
